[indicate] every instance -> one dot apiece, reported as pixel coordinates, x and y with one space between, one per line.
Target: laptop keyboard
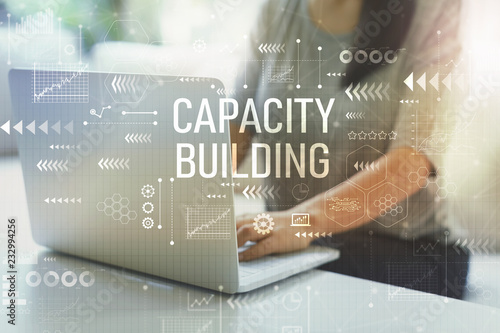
262 271
286 261
249 268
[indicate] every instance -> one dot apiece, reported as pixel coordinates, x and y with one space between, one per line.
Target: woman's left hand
281 237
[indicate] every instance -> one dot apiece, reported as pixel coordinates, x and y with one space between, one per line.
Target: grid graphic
428 137
57 311
205 222
186 325
404 278
60 83
434 136
280 73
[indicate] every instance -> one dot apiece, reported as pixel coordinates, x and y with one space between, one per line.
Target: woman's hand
280 239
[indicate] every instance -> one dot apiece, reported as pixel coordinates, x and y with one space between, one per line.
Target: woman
381 196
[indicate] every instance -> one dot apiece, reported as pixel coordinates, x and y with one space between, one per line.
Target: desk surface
316 301
113 300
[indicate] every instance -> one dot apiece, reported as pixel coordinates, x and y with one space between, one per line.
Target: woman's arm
399 164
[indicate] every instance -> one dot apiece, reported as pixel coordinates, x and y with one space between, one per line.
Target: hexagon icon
101 206
124 210
420 177
348 208
108 211
116 215
413 177
129 31
383 206
132 215
116 198
117 207
108 202
423 172
126 82
124 219
367 158
124 202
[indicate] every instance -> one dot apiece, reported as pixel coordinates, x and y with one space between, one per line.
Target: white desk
315 301
122 301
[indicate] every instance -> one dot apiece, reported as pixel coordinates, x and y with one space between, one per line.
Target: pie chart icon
292 301
300 191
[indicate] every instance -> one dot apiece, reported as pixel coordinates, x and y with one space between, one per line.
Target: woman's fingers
264 247
279 239
243 220
246 232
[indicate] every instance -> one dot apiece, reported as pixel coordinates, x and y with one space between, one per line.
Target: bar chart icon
40 23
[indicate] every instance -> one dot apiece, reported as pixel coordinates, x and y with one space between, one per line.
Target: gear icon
148 191
199 46
148 207
263 223
148 223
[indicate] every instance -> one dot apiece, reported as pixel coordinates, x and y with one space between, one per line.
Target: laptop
134 170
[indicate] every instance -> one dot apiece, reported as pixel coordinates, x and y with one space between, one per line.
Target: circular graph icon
292 301
300 191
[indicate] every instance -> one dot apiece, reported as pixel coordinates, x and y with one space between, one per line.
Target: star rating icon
352 135
372 135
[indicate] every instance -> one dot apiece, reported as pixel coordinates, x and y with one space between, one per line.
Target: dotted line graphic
172 211
85 123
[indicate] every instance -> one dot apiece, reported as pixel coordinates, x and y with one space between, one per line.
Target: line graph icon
433 136
280 73
455 64
93 112
57 311
425 248
205 222
60 83
200 303
406 278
